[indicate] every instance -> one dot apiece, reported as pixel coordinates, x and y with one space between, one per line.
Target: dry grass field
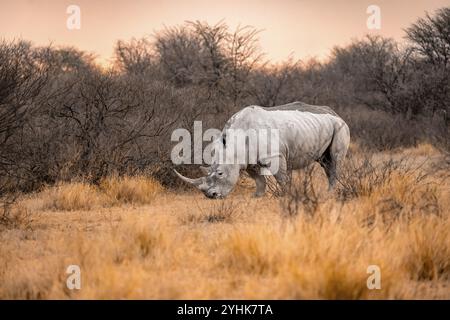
133 239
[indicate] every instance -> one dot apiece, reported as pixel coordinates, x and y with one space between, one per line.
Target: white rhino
307 133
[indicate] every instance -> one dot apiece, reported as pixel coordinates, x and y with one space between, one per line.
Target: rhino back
305 131
303 107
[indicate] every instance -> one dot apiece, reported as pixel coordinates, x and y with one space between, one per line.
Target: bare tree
212 60
21 81
109 118
135 56
430 37
244 56
430 41
211 56
269 85
178 49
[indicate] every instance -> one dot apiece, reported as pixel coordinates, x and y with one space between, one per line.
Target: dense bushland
63 117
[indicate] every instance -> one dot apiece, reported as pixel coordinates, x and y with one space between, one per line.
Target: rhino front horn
195 182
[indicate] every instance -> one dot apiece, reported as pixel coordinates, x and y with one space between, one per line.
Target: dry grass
186 246
15 216
71 197
112 191
221 211
136 190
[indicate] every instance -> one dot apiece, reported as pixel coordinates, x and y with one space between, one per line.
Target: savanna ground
134 239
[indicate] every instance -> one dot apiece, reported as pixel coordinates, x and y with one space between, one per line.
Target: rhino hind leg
282 176
328 163
332 158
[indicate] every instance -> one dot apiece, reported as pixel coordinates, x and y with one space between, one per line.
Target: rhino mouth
213 195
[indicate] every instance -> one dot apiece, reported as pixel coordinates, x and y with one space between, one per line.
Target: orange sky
303 28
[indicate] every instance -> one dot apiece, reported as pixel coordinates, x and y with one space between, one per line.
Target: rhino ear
205 170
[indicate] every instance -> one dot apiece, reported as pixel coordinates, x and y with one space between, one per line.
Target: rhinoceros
306 133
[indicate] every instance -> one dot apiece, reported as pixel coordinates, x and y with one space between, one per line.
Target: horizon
300 29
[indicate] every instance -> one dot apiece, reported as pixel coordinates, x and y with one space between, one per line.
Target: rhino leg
260 186
328 163
281 176
259 180
332 158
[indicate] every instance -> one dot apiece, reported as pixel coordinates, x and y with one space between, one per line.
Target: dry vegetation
114 190
86 176
132 239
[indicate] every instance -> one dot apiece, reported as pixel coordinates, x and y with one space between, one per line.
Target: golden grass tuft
112 191
15 216
428 253
423 149
251 250
71 197
130 190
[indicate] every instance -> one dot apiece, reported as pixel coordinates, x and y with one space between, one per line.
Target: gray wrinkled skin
307 133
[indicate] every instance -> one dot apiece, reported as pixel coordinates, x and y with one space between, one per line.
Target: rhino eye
220 174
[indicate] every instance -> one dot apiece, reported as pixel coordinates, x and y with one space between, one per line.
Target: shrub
222 211
13 215
361 176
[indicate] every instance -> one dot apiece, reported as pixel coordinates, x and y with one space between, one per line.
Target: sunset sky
301 28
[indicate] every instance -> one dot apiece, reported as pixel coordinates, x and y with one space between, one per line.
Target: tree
272 85
244 56
430 37
22 79
135 56
178 52
379 72
209 56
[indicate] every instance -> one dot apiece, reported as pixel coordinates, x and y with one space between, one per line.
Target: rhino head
218 182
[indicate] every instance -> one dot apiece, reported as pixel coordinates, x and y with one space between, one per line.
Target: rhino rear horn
205 170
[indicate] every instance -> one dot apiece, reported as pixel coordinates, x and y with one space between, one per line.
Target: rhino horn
195 182
204 170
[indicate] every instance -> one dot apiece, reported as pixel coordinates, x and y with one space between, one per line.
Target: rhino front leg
260 186
259 180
